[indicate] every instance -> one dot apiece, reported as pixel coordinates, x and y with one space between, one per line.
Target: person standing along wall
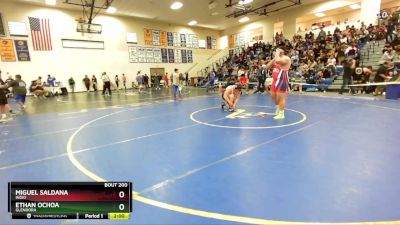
71 83
106 84
117 81
166 83
124 81
86 81
94 82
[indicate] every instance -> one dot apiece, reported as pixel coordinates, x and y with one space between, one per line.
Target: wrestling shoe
277 110
280 115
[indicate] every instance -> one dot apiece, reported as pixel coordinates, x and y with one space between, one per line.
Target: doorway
154 71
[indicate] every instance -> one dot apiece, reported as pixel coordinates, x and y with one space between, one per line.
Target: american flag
40 30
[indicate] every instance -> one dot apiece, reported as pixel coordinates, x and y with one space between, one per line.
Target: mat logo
242 114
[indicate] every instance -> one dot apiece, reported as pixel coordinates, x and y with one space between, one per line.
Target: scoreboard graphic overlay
70 200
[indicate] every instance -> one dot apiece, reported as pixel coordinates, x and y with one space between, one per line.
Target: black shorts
3 100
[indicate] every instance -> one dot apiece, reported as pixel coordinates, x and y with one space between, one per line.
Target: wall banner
22 50
163 38
189 56
156 37
133 54
148 37
184 56
164 55
7 50
171 56
183 40
170 39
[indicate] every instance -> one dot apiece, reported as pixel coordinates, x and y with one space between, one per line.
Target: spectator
146 81
387 56
390 28
117 81
157 79
3 101
211 82
106 84
175 84
244 81
37 88
332 65
19 91
166 83
381 76
86 81
349 66
94 82
51 80
124 81
71 83
139 80
187 79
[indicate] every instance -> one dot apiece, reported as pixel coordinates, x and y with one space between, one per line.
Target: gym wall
114 59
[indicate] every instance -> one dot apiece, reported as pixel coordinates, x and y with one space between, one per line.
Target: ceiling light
51 2
244 19
244 2
111 9
319 14
192 23
176 5
355 6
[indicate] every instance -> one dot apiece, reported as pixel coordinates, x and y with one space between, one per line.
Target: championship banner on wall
164 55
171 56
157 55
195 41
183 40
231 41
22 50
133 54
141 54
184 56
149 55
2 29
178 58
156 37
7 50
189 56
148 37
170 39
189 43
177 40
163 38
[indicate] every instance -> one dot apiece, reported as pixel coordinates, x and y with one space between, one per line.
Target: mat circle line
192 117
195 212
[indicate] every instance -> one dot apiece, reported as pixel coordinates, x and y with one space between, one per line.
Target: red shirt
243 80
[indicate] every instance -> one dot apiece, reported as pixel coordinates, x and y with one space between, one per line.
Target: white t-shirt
105 78
331 62
175 79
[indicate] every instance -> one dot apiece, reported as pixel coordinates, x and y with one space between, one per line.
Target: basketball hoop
89 28
90 10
